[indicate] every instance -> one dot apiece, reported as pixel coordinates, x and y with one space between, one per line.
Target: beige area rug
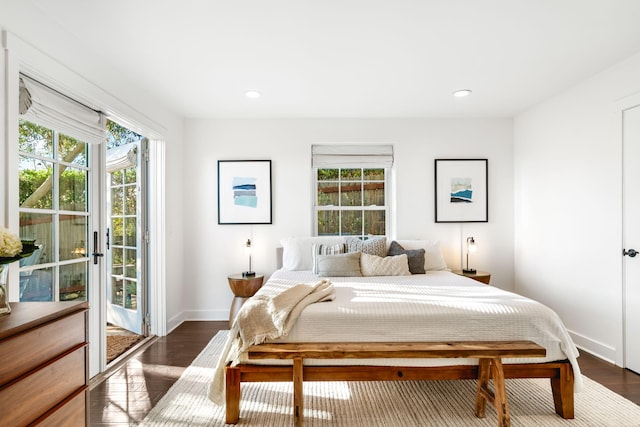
118 344
369 404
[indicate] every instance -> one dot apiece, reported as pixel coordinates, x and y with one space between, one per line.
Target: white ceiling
352 58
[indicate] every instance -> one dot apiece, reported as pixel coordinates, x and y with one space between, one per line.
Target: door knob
631 252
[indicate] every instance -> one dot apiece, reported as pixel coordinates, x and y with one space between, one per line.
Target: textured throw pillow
372 246
296 251
341 265
433 259
325 249
373 265
415 256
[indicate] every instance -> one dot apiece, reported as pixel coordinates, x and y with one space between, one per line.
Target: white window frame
353 157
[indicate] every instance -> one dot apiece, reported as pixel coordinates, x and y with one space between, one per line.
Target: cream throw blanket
265 317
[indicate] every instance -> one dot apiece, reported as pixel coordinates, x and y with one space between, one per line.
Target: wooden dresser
44 361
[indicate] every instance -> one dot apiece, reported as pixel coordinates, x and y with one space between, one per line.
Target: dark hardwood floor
128 394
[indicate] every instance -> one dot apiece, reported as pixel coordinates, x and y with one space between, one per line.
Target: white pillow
433 258
373 265
297 251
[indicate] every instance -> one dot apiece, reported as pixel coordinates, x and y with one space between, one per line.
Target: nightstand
480 276
243 288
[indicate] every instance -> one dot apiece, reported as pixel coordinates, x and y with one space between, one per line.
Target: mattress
436 306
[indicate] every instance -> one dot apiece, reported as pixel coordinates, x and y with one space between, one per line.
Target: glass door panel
54 172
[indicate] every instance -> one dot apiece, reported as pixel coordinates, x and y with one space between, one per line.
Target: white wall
215 251
568 199
79 67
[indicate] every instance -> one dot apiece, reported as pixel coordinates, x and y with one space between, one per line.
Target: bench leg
232 395
498 398
501 404
298 398
484 368
562 388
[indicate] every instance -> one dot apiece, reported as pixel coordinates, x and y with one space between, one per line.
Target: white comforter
437 306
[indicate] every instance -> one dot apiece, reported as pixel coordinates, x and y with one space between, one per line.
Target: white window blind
46 107
352 156
122 157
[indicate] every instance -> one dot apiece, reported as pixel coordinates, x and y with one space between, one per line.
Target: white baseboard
174 322
596 348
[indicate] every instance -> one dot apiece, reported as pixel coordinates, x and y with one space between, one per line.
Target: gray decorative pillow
416 257
340 265
372 246
324 249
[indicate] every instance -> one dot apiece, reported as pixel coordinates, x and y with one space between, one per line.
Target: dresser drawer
28 350
72 414
24 401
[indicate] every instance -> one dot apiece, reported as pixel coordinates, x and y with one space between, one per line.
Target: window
351 186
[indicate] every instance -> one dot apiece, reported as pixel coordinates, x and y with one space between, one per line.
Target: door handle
95 253
631 252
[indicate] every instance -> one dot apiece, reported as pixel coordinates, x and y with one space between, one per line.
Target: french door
59 196
127 237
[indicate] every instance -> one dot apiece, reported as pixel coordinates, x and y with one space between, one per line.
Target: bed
436 305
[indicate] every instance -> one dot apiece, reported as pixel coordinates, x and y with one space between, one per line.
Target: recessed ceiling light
253 94
462 93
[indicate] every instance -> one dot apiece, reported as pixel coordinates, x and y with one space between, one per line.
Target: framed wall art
461 190
244 192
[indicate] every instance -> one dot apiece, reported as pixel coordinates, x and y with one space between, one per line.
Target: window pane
373 174
328 223
117 178
34 139
130 176
117 231
130 258
73 279
116 201
351 194
38 227
36 183
374 193
374 223
130 193
70 150
117 290
328 194
36 285
328 174
351 223
351 174
131 295
73 190
73 235
117 266
130 231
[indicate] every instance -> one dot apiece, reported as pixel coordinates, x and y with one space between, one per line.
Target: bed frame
489 353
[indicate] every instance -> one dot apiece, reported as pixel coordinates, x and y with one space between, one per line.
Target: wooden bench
489 353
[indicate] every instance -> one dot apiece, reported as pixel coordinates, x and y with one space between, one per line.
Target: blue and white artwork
244 191
461 191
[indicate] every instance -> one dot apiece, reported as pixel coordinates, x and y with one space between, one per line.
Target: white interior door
631 237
